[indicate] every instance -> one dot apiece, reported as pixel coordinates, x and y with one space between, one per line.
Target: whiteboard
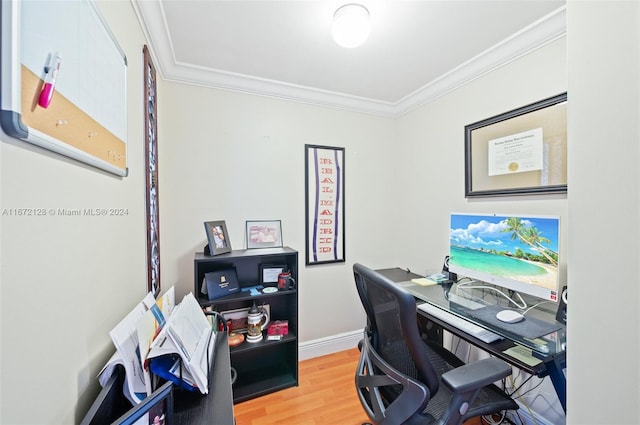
86 118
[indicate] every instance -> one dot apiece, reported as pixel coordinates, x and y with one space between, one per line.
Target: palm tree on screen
534 238
529 235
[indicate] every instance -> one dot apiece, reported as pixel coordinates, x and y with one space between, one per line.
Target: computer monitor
515 252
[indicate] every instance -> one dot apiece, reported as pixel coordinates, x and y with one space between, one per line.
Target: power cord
469 285
534 306
488 419
524 402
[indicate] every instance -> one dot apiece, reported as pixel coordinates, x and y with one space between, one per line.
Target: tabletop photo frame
269 272
217 237
264 233
520 152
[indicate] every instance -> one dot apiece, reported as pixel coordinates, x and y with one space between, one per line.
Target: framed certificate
269 272
523 151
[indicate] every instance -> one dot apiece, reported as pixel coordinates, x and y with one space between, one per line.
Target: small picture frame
269 272
264 234
217 237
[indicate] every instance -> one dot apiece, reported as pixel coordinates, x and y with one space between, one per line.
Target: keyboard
459 323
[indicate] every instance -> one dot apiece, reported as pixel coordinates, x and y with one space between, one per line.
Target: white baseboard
327 345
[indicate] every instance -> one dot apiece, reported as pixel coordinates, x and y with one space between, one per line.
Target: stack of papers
188 334
160 328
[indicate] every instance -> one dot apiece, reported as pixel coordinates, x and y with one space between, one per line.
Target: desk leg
429 330
559 382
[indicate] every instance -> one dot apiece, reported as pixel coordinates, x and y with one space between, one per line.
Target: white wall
67 281
604 153
430 155
236 157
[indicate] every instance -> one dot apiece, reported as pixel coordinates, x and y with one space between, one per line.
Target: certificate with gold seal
516 153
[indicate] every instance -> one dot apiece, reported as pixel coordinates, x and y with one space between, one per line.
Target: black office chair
401 379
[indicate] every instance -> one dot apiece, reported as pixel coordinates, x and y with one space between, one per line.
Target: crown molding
540 33
152 20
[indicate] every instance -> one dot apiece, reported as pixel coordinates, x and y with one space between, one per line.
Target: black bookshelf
265 366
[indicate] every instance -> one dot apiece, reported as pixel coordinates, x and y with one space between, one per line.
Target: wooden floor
326 396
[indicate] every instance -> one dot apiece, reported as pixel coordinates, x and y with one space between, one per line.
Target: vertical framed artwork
324 204
151 174
520 152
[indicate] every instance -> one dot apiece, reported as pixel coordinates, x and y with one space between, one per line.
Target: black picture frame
269 272
217 237
520 152
324 204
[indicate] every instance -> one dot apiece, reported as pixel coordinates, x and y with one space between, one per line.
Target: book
133 337
125 339
150 325
188 335
220 283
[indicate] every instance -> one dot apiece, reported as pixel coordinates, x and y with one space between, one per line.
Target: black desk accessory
561 314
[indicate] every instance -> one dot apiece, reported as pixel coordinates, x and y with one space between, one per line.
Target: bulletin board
85 118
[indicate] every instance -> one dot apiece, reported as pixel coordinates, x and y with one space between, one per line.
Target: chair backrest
392 322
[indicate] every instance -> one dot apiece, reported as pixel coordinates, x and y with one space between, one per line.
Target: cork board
85 118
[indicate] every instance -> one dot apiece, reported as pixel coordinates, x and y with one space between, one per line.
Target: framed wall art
324 204
217 237
151 174
520 152
264 234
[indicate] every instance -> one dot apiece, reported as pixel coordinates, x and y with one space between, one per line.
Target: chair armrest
476 375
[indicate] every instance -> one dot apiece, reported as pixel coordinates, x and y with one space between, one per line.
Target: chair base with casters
400 379
374 374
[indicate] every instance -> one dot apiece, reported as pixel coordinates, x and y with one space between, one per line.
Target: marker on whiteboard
50 81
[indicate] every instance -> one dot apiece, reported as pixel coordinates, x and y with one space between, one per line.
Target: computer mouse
509 316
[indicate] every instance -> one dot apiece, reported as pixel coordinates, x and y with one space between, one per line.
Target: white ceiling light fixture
351 25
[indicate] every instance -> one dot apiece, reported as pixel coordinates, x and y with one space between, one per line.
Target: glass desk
537 345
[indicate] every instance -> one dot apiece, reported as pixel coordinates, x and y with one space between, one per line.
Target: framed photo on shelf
520 152
264 234
217 237
269 272
324 204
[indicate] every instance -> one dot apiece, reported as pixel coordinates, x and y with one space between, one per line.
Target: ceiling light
351 25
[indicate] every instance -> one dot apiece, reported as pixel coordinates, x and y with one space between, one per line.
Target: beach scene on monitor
518 248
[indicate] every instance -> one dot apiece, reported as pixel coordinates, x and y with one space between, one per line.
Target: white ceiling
417 50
